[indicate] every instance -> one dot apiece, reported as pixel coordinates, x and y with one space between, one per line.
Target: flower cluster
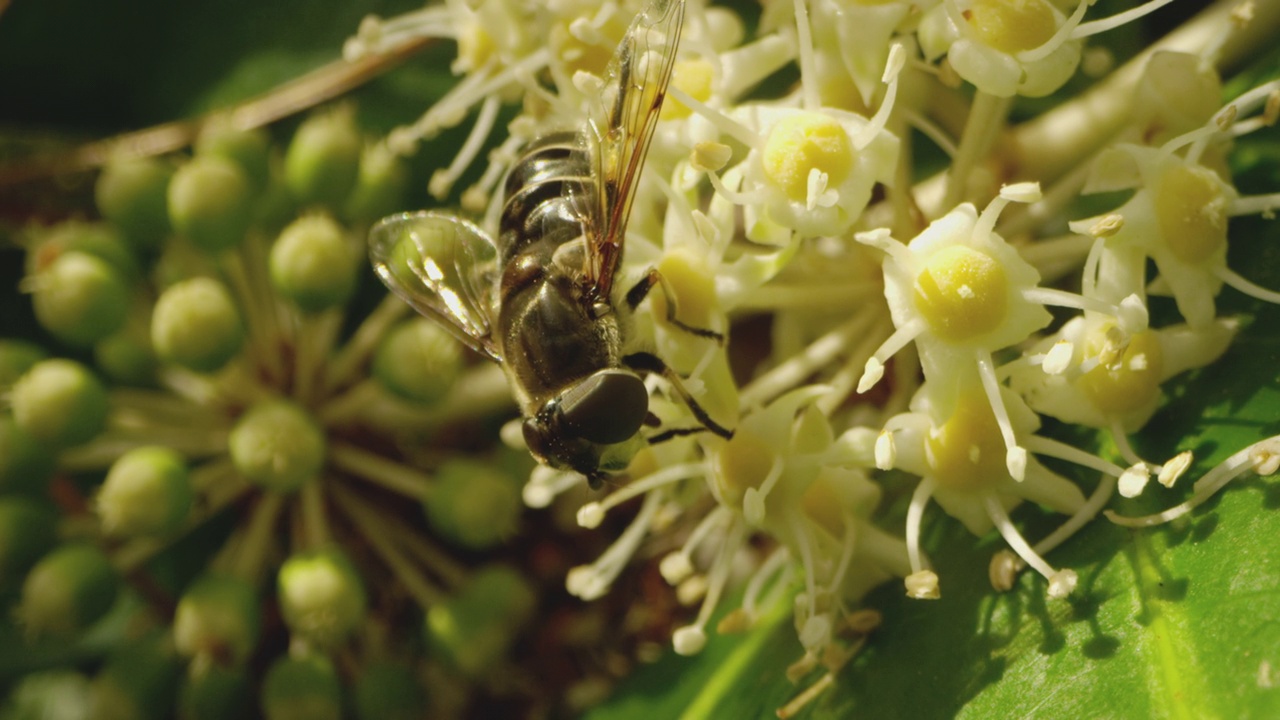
806 209
216 407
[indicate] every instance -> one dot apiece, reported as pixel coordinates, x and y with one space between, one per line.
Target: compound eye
607 407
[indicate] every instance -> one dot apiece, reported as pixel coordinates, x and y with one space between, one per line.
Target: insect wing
445 268
618 134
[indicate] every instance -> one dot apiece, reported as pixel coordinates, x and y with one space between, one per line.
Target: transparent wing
443 266
618 135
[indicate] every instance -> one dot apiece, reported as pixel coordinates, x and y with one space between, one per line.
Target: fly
538 299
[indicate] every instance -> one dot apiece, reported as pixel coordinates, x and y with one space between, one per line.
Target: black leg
644 362
640 291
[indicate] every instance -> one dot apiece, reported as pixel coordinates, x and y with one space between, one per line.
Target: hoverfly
539 298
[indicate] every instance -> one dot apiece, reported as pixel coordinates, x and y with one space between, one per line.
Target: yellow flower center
962 293
1192 211
968 453
800 143
824 505
692 286
694 77
743 463
1128 382
475 46
1012 26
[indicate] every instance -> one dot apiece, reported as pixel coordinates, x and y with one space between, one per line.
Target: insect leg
640 291
649 363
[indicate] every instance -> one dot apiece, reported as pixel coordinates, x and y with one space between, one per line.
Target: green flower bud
321 597
25 464
215 693
126 358
137 683
278 445
147 492
102 240
180 260
16 358
196 324
389 691
418 360
380 186
67 590
322 161
250 148
27 532
211 202
302 689
218 620
314 264
80 298
132 193
473 630
474 504
60 403
53 695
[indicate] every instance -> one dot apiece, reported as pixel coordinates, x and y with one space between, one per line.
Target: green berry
196 325
102 240
302 689
418 360
474 504
322 161
250 148
52 695
321 597
68 590
147 492
211 202
60 403
126 358
16 358
389 691
473 630
314 264
213 692
137 682
80 298
278 445
25 464
380 186
27 532
132 193
218 620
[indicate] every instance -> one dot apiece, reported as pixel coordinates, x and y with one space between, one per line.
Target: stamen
808 58
690 639
442 180
772 566
1229 277
875 365
915 514
1061 583
1260 456
753 499
1093 27
591 514
1064 33
720 120
791 373
1041 445
590 582
893 67
1015 456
